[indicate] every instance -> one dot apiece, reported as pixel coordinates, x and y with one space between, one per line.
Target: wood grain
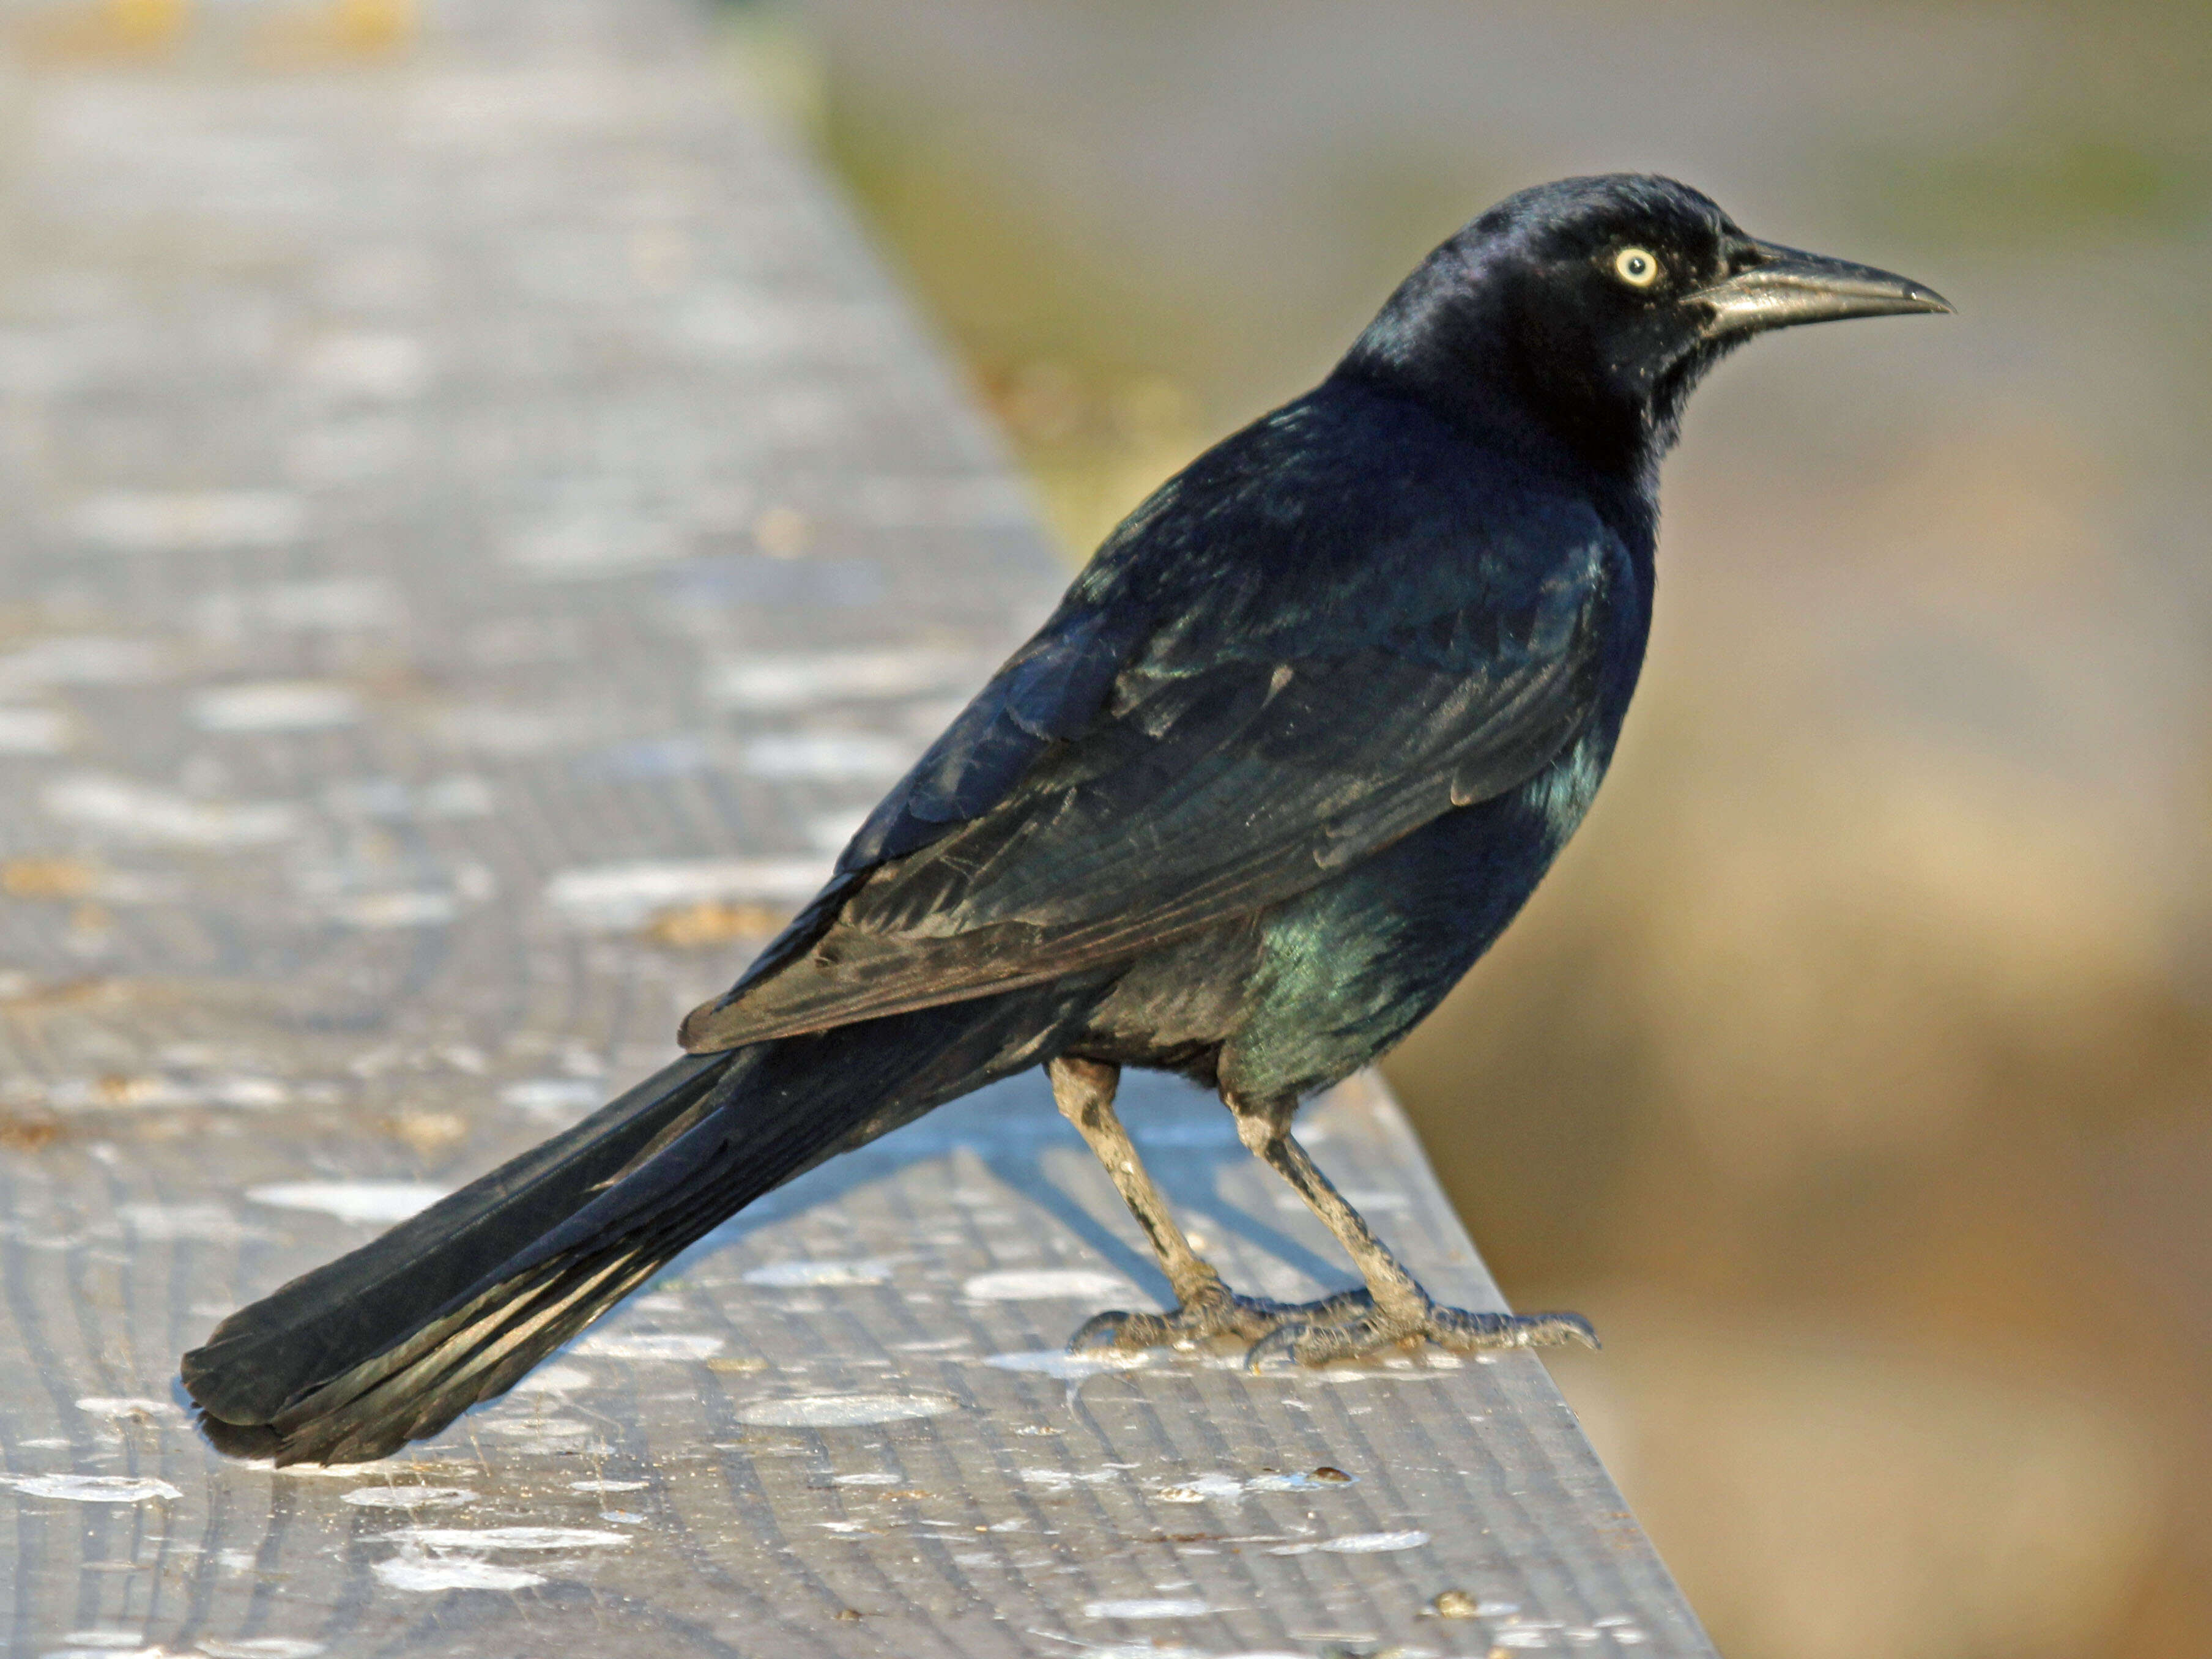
478 527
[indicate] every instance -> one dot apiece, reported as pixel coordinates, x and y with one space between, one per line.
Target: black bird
1295 748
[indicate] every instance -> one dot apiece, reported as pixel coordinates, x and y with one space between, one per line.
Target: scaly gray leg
1205 1307
1399 1309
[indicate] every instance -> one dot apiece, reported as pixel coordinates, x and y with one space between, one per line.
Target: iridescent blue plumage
1351 619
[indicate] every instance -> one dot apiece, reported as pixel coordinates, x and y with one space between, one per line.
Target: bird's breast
1560 796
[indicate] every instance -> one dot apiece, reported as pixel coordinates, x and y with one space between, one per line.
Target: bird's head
1597 304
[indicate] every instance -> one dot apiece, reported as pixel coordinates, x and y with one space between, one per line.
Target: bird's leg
1400 1310
1205 1305
1084 1092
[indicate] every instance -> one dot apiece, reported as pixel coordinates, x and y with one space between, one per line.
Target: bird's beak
1788 287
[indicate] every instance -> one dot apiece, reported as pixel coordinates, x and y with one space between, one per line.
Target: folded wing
1116 786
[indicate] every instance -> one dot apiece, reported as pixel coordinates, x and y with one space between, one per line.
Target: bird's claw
1218 1313
1313 1343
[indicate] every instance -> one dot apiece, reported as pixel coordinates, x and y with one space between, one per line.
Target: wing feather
1142 802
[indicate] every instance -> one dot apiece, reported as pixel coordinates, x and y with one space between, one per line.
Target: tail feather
391 1343
326 1322
476 1353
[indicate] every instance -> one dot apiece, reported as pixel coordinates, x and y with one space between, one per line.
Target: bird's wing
1114 787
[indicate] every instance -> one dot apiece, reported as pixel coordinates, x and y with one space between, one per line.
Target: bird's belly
1178 1003
1348 969
1300 997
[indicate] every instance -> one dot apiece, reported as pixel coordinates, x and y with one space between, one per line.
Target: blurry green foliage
2044 188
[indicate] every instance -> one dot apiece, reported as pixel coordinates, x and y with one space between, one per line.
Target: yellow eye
1638 267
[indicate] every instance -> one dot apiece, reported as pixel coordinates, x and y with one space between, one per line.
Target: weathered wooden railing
478 527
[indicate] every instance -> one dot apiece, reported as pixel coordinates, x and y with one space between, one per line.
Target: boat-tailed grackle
1299 742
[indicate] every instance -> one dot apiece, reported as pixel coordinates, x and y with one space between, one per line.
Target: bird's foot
1219 1311
1317 1342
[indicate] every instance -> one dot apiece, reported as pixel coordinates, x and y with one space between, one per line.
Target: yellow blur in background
1852 1069
288 35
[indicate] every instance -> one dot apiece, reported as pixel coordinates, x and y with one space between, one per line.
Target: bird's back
1345 621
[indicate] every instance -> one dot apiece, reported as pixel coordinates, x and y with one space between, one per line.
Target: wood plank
478 526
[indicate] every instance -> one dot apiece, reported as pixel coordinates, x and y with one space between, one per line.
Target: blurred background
1851 1070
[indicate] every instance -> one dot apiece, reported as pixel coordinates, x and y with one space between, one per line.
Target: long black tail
392 1342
